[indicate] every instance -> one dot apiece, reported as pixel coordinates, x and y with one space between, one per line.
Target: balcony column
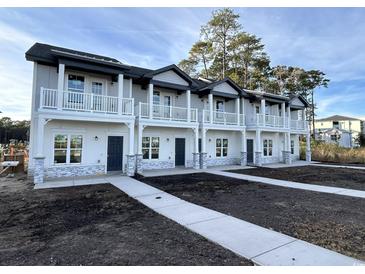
258 149
203 154
60 85
188 102
131 158
196 156
130 88
139 156
150 100
283 114
243 160
243 110
120 93
263 111
288 117
210 100
238 110
287 150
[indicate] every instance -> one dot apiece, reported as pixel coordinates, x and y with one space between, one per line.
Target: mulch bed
317 175
331 221
94 225
341 164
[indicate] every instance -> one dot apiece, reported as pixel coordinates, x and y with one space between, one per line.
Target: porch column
130 87
196 156
308 153
287 149
150 100
203 154
238 110
188 102
210 100
283 114
60 85
243 111
263 111
258 150
139 155
243 160
39 158
289 117
131 158
120 93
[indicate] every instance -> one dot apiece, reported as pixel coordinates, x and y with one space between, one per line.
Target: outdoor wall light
96 138
167 139
210 140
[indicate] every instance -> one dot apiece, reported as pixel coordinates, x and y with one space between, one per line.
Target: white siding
170 77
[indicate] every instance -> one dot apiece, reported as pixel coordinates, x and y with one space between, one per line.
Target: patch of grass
333 153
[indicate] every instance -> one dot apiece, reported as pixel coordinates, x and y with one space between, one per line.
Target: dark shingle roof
337 118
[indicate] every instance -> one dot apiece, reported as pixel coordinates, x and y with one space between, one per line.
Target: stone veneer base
155 164
258 158
223 161
287 157
196 161
139 164
74 171
308 155
243 159
203 160
131 165
38 174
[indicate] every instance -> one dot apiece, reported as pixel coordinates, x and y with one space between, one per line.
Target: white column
150 100
258 141
289 115
196 132
243 141
210 100
40 137
287 141
60 85
283 113
130 87
263 111
204 140
139 143
131 138
188 102
238 110
120 93
308 141
243 109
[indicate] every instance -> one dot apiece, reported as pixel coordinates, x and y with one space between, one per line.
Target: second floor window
267 147
219 105
76 83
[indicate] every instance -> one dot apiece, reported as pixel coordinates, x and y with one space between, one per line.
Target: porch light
167 139
96 138
210 140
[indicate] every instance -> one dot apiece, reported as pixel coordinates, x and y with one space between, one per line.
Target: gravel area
317 175
328 220
94 225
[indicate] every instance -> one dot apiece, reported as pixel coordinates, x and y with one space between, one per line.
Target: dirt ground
94 225
331 221
326 176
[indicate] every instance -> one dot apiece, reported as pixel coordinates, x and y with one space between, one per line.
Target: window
97 88
76 83
336 124
150 147
267 147
219 105
221 147
257 108
292 146
334 137
156 98
67 149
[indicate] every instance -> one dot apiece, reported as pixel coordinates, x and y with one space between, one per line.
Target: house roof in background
338 118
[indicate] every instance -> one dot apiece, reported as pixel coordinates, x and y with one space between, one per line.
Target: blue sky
329 39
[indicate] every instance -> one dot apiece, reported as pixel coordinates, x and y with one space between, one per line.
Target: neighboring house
353 126
92 114
336 136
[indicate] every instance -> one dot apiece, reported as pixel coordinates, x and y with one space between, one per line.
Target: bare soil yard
94 225
331 221
325 176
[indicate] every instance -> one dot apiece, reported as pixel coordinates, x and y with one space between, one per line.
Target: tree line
13 130
226 50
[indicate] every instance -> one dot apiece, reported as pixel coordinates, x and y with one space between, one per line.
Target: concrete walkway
339 166
261 245
276 182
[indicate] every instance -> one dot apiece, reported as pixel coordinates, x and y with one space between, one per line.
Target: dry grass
333 153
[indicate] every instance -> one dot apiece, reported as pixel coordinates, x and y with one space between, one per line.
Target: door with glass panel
97 98
167 106
219 115
75 96
156 104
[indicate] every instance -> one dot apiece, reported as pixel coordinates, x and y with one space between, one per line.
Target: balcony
166 113
298 125
85 102
261 120
222 118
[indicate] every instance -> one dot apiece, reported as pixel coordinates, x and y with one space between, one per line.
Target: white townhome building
92 114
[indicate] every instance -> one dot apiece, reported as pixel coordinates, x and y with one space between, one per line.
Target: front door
249 150
179 151
115 153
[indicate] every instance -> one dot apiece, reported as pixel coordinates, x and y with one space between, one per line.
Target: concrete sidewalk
339 166
276 182
261 245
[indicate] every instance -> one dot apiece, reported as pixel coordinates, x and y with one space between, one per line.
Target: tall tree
220 31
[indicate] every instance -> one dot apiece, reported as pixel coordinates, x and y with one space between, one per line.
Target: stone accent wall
308 155
258 158
71 171
203 160
151 164
139 165
294 157
223 161
38 170
196 160
131 165
286 157
270 160
243 159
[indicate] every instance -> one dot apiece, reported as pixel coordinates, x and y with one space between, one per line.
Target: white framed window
150 147
221 147
267 147
219 106
97 88
76 83
67 149
257 109
292 146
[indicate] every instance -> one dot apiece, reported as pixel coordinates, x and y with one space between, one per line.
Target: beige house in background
352 125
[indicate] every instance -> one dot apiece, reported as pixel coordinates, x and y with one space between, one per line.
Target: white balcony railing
266 121
298 124
222 118
162 112
83 101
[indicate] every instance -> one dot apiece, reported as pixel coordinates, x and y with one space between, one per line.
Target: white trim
68 149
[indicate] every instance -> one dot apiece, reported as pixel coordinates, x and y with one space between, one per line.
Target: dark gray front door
115 153
179 151
249 150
